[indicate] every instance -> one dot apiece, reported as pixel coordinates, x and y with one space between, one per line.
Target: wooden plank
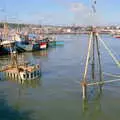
102 82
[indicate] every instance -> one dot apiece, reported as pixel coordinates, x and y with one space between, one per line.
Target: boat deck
20 68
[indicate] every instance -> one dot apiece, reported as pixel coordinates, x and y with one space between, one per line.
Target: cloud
79 7
75 13
83 14
72 13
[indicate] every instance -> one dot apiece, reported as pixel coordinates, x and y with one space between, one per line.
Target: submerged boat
21 71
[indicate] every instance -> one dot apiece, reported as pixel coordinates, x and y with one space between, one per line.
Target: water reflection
4 60
92 107
40 53
29 83
10 113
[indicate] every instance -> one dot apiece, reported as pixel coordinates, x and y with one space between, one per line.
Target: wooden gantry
94 42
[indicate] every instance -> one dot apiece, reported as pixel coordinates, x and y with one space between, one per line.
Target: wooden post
93 56
85 105
84 90
99 62
84 85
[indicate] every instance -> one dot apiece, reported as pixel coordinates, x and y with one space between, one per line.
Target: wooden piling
84 90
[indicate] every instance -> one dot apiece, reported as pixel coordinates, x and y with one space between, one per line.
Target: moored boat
43 44
116 36
59 43
6 46
53 42
23 44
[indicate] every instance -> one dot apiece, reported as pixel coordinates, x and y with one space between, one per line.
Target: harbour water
58 95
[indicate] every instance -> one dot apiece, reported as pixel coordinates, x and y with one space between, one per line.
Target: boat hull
6 47
4 51
59 43
43 45
51 43
55 43
26 47
116 36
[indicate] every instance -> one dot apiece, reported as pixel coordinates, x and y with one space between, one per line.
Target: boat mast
5 30
5 25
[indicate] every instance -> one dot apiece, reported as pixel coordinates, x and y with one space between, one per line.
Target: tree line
14 25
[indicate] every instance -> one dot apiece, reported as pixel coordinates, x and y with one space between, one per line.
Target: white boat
7 42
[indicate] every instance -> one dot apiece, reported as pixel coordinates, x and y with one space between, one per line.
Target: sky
60 12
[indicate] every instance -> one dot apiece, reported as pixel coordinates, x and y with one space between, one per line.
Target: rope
112 50
109 51
112 75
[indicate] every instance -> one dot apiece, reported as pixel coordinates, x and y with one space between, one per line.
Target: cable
112 75
109 51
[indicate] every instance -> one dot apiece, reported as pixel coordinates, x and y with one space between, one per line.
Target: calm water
57 96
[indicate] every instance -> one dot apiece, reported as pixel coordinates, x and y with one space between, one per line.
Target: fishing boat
59 43
43 43
29 83
53 42
23 44
21 71
46 41
6 46
116 36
